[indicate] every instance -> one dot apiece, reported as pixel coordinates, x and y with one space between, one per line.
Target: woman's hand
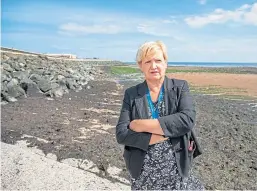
156 139
136 126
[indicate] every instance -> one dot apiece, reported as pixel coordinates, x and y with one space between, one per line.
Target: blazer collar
142 88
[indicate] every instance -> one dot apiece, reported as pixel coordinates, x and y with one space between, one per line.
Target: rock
44 85
70 71
7 67
35 78
82 81
22 65
60 77
57 92
16 66
3 77
21 75
13 82
32 74
4 102
79 88
62 82
29 87
40 71
71 84
14 90
5 57
7 97
4 86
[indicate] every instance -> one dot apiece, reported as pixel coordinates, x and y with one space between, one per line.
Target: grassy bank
229 93
134 69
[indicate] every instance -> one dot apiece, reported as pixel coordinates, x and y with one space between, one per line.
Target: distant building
71 56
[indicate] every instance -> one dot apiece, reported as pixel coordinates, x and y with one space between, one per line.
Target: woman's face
154 67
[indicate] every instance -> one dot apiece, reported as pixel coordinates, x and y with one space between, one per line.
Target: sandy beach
242 84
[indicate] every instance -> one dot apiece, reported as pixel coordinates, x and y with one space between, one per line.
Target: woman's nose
154 64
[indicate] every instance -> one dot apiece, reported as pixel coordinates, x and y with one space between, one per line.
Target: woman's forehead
155 55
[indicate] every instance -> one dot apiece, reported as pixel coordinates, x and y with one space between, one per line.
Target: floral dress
159 171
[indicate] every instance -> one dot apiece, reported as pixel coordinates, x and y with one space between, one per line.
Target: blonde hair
149 49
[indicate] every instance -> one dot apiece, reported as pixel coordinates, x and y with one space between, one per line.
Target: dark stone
35 78
21 75
71 84
6 97
44 85
16 91
29 87
7 67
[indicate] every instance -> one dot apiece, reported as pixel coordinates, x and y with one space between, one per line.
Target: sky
193 30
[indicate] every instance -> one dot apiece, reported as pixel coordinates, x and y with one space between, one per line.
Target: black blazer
177 124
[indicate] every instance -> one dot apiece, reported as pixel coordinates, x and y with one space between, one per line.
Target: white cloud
90 29
251 17
114 24
202 2
173 21
152 30
246 14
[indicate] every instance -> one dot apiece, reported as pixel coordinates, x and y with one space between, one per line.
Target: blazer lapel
169 95
166 96
141 101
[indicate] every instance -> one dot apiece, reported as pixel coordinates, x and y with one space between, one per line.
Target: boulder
14 90
44 85
21 75
7 67
35 78
71 84
29 87
6 97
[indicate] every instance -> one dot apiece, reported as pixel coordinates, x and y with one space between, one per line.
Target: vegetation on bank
133 70
124 70
228 93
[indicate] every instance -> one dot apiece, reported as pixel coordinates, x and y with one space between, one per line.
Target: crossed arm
138 133
146 125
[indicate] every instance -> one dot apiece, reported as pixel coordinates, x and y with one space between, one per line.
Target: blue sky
193 30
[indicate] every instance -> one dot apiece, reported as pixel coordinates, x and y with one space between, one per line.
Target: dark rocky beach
70 110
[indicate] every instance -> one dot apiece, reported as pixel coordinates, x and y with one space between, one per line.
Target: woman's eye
158 60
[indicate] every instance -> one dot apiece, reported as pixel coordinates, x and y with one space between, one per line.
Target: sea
208 64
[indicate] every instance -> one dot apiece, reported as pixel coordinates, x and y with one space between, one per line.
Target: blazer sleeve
180 123
126 136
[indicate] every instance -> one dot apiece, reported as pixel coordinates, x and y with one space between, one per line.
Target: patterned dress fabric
159 171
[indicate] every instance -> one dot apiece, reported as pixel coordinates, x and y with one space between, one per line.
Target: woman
155 125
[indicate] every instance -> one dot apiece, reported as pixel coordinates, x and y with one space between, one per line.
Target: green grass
124 70
227 93
134 69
